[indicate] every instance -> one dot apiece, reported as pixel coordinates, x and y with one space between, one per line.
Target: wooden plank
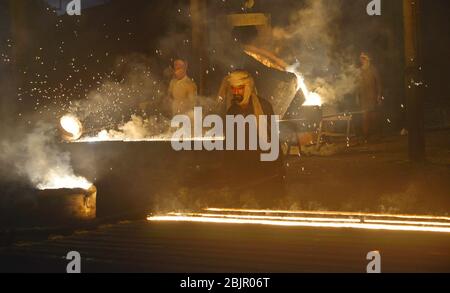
249 19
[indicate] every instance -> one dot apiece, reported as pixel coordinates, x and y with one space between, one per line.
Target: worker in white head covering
240 95
369 95
246 173
182 89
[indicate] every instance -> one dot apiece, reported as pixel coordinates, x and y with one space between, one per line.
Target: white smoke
37 158
122 93
137 128
310 40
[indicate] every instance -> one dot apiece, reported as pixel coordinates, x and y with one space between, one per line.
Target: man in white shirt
182 89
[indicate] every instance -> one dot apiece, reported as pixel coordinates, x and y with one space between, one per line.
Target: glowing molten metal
71 127
412 223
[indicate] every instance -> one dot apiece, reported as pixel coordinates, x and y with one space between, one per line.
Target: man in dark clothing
369 94
248 175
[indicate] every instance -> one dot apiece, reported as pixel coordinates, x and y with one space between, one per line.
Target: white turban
237 79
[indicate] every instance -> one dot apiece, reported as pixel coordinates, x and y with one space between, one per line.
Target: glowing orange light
72 127
316 219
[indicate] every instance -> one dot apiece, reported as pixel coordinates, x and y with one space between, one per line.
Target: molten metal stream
329 213
335 220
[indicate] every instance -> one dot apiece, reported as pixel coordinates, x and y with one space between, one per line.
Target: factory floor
143 246
373 177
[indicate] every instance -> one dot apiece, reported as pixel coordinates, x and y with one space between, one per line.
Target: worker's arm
192 94
379 87
170 90
192 91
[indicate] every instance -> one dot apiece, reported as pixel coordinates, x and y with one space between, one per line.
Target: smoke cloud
36 157
310 39
137 128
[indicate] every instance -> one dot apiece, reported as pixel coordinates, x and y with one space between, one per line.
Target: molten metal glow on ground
158 139
351 214
315 219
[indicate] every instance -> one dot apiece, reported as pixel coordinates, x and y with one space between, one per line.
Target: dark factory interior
244 136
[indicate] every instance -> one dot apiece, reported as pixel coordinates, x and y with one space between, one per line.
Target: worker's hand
380 100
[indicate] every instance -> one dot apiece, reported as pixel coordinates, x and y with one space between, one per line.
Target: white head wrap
237 79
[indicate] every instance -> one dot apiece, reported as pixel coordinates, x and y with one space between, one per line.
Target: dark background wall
160 30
